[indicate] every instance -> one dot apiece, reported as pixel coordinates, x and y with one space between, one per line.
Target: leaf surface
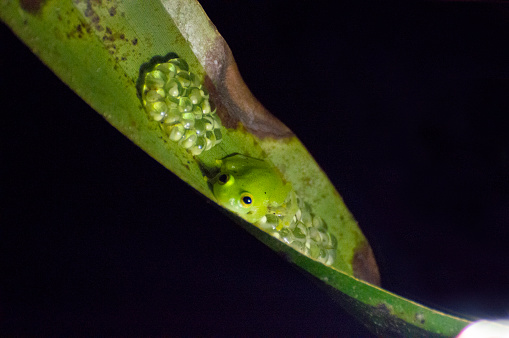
98 49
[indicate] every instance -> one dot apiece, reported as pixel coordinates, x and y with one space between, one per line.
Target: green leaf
99 48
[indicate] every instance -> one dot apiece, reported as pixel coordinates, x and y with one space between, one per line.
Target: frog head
249 187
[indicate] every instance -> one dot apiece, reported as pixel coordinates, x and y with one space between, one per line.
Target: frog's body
250 187
256 191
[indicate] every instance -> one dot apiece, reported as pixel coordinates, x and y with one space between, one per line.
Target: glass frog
256 191
251 188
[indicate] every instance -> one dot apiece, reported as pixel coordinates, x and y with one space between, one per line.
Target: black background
404 106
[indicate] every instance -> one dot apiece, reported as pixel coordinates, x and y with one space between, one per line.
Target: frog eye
223 179
246 199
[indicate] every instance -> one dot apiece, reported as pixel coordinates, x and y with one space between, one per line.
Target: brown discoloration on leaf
364 264
232 94
112 11
31 6
79 31
93 16
216 103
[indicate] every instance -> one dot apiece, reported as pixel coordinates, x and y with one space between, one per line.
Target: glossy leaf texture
105 51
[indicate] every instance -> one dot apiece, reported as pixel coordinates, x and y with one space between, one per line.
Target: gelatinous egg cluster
304 231
176 98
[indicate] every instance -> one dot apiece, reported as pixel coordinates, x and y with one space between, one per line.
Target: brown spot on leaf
217 104
89 11
31 6
112 11
92 15
232 94
79 30
110 37
364 264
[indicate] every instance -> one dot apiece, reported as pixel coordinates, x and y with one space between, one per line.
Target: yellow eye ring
246 199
